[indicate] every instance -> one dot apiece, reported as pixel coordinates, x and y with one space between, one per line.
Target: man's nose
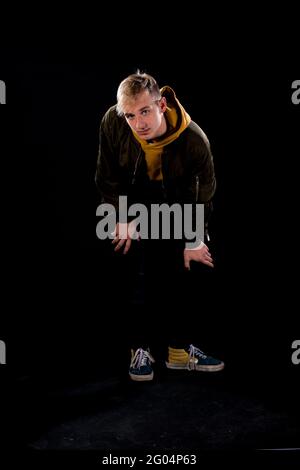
139 123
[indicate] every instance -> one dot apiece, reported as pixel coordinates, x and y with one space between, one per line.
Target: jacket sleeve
107 169
206 184
203 172
202 180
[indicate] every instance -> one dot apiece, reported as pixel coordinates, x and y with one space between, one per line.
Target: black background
58 319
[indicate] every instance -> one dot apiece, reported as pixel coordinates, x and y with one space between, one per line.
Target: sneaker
193 359
140 367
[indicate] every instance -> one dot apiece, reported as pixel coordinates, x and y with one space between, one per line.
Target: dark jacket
187 165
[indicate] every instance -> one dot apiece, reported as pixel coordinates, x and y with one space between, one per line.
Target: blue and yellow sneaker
140 367
192 359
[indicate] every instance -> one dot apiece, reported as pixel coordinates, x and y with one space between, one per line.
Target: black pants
152 298
158 302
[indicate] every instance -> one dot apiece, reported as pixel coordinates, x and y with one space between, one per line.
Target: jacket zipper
162 174
206 233
136 167
197 188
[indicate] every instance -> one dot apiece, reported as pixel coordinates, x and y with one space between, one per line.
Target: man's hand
124 234
202 255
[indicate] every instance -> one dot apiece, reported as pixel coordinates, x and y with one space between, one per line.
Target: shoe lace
141 358
193 354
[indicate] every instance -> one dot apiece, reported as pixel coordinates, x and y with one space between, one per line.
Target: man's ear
163 104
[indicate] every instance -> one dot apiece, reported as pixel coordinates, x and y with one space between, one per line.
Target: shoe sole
141 378
196 367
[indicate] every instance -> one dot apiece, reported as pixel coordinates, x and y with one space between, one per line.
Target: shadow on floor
178 411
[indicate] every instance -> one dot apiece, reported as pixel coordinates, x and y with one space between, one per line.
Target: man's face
146 116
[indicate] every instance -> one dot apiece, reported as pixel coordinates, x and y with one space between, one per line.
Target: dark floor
73 393
191 412
179 412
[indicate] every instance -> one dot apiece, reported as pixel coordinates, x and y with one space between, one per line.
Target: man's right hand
123 236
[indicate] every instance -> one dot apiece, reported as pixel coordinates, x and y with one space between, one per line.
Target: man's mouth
146 131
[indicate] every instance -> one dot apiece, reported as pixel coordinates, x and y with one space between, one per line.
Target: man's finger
119 245
209 264
127 246
187 263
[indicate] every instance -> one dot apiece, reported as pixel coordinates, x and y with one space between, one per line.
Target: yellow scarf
177 121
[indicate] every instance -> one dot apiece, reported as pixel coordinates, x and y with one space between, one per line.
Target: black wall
59 312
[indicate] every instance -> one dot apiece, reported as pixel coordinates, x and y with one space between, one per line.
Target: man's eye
145 112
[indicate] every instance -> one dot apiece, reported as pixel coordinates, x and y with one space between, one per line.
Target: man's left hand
202 255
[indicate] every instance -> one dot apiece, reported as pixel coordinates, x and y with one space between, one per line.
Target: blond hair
133 85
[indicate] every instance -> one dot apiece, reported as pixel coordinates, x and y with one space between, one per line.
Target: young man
152 152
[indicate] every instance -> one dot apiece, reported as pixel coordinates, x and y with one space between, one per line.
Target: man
152 152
